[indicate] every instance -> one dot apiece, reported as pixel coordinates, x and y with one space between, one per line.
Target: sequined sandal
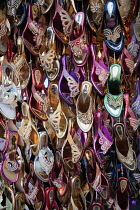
84 107
28 131
33 34
57 117
48 56
78 42
39 101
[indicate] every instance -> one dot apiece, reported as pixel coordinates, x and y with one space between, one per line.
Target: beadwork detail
115 102
106 144
78 45
102 74
114 34
97 9
73 86
67 22
38 33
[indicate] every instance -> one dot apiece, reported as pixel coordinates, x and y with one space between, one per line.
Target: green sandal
113 99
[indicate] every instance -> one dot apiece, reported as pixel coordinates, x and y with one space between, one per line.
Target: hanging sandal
78 42
113 99
71 152
57 117
33 34
113 36
102 140
77 199
10 165
125 153
20 65
68 83
95 177
84 107
39 101
28 131
99 73
95 14
62 24
48 56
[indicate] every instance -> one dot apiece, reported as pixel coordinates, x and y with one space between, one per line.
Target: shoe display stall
69 104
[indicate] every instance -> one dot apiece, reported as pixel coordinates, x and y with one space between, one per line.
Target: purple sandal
68 84
99 73
102 138
33 34
78 41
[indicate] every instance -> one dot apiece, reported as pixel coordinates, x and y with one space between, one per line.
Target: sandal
124 8
48 57
28 131
34 191
57 117
68 83
125 153
43 164
50 199
113 36
95 14
45 5
126 62
77 199
95 177
59 177
8 101
113 99
99 73
20 200
10 165
62 24
20 65
39 98
33 34
84 106
71 150
9 197
102 138
78 41
122 195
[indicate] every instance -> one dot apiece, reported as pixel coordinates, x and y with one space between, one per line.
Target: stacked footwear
69 104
